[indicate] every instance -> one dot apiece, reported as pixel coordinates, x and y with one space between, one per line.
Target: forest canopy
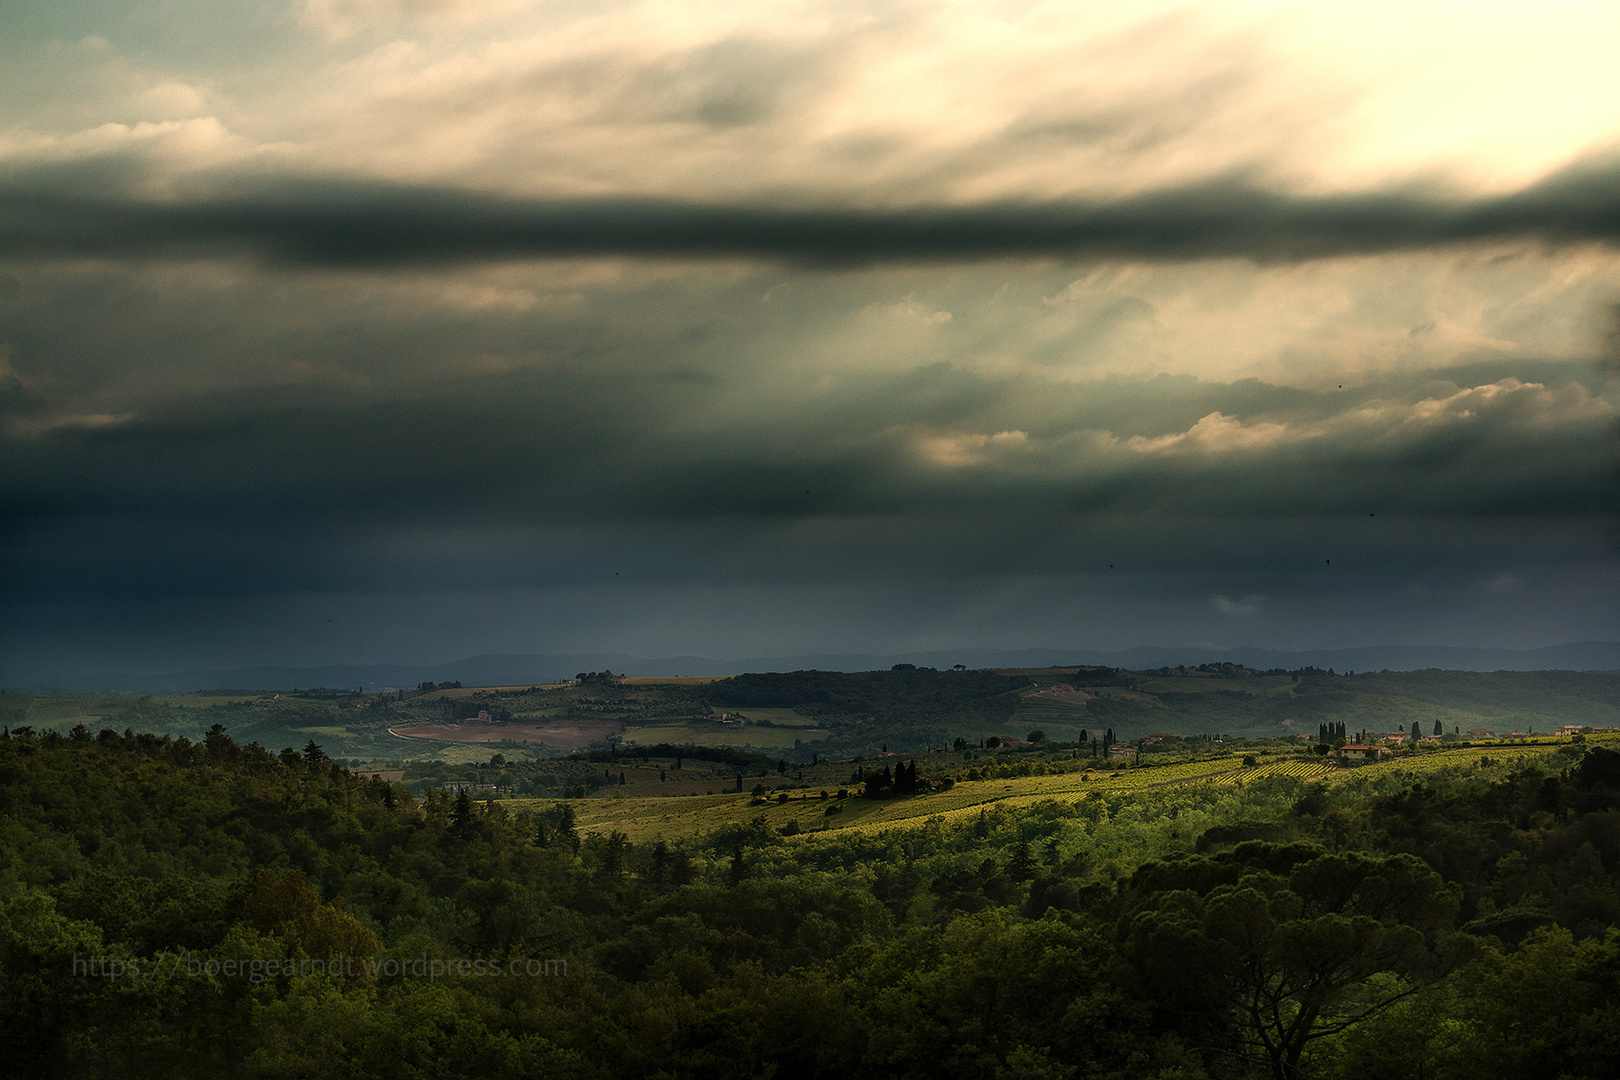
200 909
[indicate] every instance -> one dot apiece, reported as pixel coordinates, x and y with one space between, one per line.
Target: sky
365 331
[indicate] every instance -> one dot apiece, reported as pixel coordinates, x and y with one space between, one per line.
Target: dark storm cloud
232 496
359 224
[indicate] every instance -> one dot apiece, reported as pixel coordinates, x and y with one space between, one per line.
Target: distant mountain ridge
524 669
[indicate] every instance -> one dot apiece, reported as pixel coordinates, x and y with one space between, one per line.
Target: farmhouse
1361 752
1480 733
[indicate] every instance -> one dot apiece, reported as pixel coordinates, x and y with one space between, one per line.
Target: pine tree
1021 867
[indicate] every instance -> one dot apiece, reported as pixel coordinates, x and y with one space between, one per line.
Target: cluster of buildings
1380 745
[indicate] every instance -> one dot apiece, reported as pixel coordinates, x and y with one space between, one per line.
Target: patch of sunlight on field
693 817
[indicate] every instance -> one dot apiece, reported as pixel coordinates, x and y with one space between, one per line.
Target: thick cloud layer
339 224
344 331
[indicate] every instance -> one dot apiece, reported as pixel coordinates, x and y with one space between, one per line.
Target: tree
220 746
565 826
1021 867
877 784
1439 728
313 753
660 864
461 816
1276 947
613 854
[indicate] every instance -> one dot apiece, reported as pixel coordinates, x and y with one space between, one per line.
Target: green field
782 717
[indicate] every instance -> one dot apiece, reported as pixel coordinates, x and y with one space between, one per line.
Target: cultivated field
566 736
652 818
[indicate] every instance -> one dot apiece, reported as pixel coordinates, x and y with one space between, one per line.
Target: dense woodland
1462 927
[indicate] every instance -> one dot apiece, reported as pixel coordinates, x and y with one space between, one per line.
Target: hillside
172 909
802 715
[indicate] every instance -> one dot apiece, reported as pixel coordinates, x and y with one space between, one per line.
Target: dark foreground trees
1264 949
1030 943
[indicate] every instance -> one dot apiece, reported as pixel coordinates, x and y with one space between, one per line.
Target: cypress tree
461 816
